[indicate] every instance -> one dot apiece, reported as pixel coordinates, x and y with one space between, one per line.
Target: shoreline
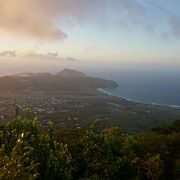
130 100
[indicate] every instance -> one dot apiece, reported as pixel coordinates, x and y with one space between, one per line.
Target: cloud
48 56
160 18
37 56
175 25
70 59
8 54
44 19
29 18
91 48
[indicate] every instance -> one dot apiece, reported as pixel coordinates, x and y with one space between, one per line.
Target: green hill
27 151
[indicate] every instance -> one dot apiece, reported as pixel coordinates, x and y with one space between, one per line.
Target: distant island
66 79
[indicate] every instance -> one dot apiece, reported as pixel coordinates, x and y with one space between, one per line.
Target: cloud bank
29 18
43 19
8 54
48 56
36 56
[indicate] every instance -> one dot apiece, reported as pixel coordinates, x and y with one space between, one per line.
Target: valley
79 109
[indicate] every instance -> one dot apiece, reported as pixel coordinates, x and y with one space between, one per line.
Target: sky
48 35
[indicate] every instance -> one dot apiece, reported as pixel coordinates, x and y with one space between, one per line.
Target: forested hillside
28 151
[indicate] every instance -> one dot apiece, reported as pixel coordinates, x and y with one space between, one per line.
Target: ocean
146 85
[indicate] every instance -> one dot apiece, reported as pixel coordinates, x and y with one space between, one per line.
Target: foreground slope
29 152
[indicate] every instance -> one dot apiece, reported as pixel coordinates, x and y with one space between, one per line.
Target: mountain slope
70 73
67 79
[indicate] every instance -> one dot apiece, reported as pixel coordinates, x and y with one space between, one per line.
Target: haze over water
145 83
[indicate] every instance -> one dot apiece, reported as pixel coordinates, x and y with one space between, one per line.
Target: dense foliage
28 151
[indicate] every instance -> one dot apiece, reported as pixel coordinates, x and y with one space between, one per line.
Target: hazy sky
44 35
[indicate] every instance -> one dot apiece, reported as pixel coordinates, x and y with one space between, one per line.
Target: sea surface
146 85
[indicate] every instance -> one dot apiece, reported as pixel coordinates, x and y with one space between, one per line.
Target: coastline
130 100
110 94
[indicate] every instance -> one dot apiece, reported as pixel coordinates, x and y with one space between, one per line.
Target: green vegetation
28 151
